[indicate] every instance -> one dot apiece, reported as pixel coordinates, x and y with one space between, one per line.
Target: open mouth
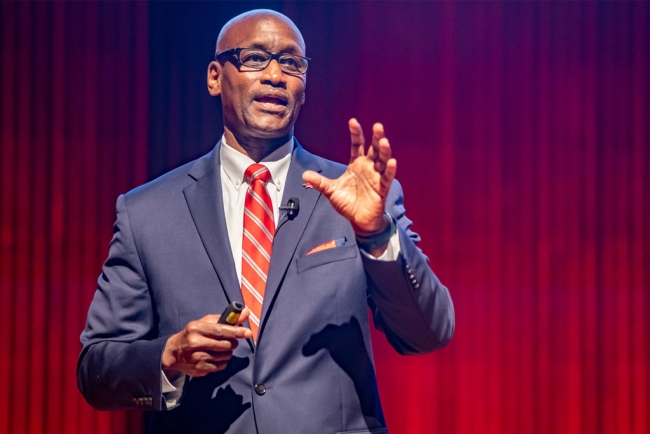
272 100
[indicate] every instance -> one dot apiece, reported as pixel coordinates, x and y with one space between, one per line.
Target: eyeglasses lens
259 59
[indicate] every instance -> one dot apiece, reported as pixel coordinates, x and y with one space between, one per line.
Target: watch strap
377 240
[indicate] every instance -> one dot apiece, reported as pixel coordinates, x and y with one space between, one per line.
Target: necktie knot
258 172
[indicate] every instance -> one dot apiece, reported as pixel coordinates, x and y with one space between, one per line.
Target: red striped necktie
259 230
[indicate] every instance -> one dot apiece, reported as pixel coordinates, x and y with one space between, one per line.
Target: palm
357 195
360 193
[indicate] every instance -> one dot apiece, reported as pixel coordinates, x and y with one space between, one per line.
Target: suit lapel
288 233
205 201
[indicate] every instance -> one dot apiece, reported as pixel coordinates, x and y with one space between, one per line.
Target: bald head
260 105
237 29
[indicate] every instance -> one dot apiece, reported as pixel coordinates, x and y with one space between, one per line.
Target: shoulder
328 168
172 183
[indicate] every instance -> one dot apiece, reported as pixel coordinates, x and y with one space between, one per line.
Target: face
259 104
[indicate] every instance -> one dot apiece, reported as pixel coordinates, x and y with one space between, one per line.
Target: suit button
260 389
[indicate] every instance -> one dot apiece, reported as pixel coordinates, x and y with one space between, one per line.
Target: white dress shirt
233 189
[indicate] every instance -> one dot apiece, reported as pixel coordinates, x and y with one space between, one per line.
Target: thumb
244 316
319 182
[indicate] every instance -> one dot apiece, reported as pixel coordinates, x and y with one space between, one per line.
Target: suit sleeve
120 363
408 302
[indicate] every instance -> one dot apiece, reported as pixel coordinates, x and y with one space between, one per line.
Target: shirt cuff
392 251
172 391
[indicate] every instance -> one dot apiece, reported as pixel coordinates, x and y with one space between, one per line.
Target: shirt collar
234 163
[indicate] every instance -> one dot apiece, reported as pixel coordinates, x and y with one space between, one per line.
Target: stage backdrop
522 140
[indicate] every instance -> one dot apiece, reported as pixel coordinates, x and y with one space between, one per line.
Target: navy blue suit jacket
170 262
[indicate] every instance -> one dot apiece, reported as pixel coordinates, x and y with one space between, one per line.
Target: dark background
522 139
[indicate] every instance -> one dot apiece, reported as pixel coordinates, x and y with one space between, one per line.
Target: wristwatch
377 240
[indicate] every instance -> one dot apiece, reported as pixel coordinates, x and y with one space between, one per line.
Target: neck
254 147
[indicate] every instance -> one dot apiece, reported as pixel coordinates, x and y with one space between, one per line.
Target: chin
271 129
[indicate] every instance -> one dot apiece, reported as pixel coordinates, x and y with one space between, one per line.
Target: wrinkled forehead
275 33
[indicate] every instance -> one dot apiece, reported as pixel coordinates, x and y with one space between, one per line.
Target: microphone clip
292 208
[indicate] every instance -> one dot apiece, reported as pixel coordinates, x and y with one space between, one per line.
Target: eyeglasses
256 59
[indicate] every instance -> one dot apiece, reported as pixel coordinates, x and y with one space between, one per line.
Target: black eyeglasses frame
235 52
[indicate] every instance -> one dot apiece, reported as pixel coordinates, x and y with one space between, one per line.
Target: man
212 232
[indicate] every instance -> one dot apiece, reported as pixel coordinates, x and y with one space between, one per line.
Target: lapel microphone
292 208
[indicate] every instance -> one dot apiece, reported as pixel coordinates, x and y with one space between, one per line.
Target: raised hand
360 193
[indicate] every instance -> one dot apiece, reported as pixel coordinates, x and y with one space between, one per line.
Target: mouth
273 101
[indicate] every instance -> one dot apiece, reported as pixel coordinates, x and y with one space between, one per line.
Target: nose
273 74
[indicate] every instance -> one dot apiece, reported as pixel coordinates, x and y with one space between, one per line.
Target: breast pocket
326 257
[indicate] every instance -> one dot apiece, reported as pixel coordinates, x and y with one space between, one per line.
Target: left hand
360 193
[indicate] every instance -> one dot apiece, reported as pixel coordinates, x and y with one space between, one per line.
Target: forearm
409 303
119 375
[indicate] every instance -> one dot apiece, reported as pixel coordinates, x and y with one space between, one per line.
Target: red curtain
74 135
522 139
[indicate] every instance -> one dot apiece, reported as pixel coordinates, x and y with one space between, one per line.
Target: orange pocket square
328 245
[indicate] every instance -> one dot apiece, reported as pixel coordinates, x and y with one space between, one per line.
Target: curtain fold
74 135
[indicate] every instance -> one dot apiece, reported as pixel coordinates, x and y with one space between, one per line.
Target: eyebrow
291 49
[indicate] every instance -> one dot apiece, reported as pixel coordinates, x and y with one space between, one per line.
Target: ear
214 75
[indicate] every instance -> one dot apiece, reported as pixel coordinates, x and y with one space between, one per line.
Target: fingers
319 182
212 318
377 135
383 154
388 175
244 316
207 327
204 346
356 138
196 340
202 355
221 356
379 150
203 363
